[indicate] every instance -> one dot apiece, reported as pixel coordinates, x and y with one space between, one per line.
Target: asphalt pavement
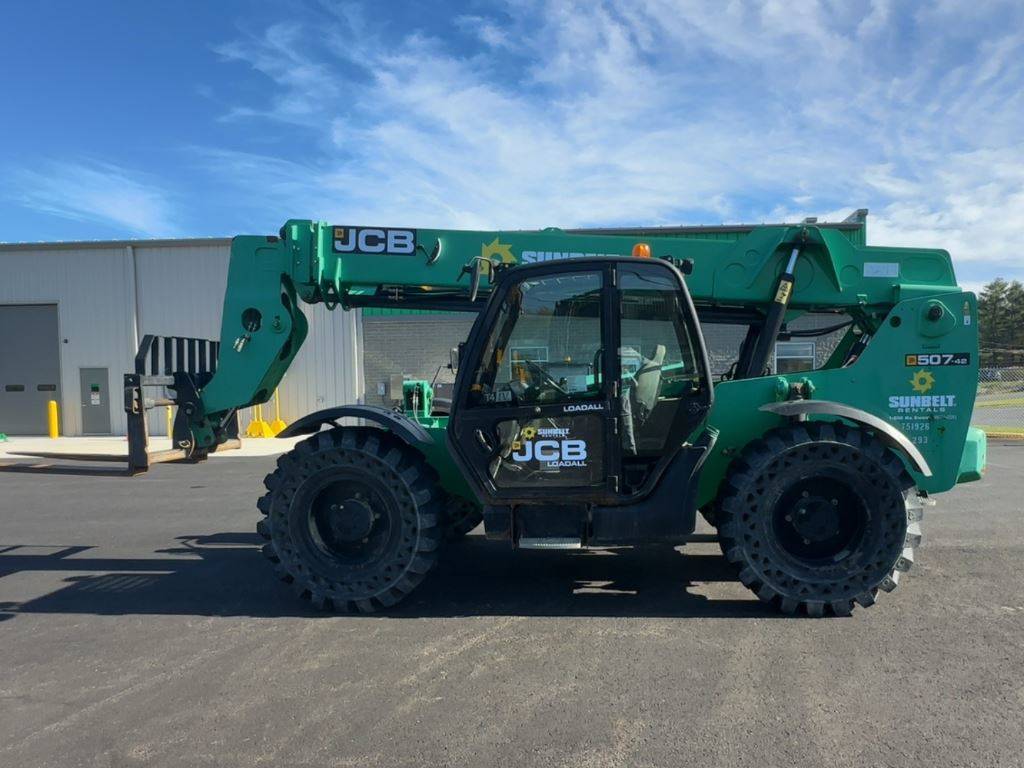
139 625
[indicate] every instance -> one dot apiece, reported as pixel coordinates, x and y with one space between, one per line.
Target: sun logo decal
922 381
529 433
496 252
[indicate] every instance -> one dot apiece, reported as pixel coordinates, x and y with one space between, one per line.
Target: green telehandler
584 412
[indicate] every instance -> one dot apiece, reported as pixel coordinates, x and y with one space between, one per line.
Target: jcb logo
551 451
400 242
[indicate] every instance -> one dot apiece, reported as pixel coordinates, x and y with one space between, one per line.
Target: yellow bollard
170 422
277 426
258 427
265 430
53 419
253 430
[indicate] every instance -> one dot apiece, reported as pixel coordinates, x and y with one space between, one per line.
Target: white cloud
97 192
657 111
303 83
488 32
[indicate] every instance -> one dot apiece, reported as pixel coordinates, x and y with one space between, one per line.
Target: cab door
535 406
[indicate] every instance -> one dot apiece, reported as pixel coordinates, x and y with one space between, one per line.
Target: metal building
72 316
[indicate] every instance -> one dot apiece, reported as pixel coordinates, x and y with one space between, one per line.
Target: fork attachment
180 367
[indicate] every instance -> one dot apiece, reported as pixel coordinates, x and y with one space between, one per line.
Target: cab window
545 345
657 360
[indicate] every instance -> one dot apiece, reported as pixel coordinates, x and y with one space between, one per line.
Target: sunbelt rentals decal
922 382
915 414
501 253
532 257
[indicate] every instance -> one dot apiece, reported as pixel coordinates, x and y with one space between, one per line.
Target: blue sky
216 118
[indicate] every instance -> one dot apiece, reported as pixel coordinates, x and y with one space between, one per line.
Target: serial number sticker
501 396
881 269
936 358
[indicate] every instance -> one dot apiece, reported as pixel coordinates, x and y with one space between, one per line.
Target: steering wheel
542 374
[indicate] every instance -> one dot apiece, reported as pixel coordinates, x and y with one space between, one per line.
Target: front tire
817 516
352 519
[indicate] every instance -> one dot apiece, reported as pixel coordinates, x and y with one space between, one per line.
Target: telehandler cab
584 412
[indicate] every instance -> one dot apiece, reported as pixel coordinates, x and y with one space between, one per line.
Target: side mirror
453 357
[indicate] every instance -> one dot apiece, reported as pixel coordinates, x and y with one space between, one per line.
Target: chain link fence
999 408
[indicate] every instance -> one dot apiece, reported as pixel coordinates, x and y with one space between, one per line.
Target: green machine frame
908 357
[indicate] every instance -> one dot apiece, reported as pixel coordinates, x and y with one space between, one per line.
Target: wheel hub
816 518
820 519
350 520
347 522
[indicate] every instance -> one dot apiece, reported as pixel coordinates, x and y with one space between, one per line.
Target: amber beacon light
641 251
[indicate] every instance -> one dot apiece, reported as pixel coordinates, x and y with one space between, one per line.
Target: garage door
29 367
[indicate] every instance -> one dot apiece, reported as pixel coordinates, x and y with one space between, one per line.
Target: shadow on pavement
225 574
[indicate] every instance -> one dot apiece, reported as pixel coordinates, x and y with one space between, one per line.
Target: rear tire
351 519
817 516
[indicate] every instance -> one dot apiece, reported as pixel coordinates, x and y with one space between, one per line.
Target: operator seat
640 397
648 381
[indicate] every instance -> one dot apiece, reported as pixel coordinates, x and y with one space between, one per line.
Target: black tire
460 517
370 555
817 516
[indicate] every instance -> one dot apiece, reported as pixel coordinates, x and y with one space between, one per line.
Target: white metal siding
181 289
180 292
93 291
328 370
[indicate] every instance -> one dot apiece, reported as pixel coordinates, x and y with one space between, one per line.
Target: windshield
545 344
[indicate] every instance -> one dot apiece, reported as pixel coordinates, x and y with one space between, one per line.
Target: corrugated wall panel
93 290
328 370
181 289
180 293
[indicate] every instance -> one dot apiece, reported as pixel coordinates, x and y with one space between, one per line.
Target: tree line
1001 323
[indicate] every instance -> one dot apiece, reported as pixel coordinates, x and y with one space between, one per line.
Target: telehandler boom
584 410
